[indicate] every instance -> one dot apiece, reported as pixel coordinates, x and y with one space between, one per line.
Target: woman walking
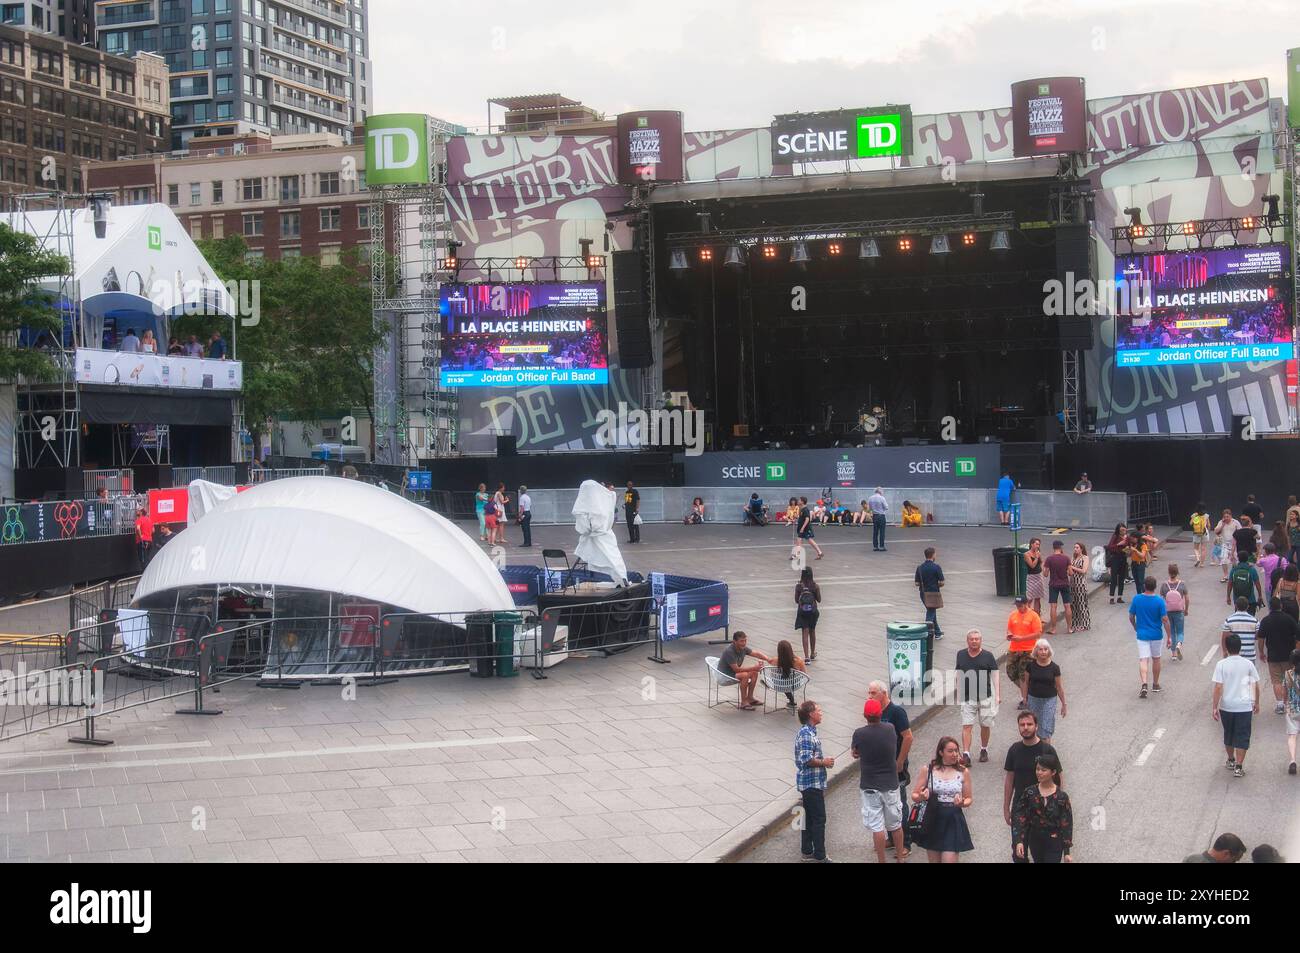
1082 622
1117 562
1034 575
1291 693
807 595
500 498
1042 827
1138 557
1225 548
480 501
1046 690
945 789
787 662
1174 591
1200 523
1288 590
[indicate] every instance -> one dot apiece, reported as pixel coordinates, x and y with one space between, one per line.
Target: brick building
61 104
286 195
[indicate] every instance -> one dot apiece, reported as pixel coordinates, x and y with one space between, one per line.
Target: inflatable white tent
331 535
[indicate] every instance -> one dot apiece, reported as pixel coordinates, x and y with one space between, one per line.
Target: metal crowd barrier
1149 507
184 476
39 700
31 652
118 482
264 475
318 648
411 642
605 627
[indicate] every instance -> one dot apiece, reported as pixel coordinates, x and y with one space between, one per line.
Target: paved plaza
620 759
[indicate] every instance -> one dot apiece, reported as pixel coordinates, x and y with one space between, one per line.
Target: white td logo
386 151
880 135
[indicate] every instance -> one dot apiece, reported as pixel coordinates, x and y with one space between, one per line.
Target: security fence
117 482
265 475
184 476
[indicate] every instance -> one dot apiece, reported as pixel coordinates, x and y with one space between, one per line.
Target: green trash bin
505 625
908 646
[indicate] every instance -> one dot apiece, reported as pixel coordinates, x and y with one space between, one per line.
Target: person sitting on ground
732 662
754 512
863 515
911 514
791 513
819 512
696 516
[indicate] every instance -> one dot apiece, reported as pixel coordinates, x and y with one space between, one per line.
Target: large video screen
514 334
1195 307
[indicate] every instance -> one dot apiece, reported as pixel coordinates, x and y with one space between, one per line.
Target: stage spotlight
904 244
834 248
735 258
939 245
799 254
706 222
1134 215
1001 241
1248 222
868 248
706 254
595 261
521 263
677 260
769 252
99 206
968 239
1271 213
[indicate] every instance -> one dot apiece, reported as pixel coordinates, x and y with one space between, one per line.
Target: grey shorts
882 810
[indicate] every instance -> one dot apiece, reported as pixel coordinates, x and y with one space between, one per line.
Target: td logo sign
397 149
155 238
965 466
880 135
775 472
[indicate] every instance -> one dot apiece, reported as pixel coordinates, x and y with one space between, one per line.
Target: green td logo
965 466
776 472
155 238
1044 89
397 149
880 135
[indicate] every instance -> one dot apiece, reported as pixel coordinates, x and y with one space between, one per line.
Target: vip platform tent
141 273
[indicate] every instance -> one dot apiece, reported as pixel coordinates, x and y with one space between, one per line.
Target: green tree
308 351
23 304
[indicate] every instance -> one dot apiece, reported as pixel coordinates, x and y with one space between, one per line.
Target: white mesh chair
718 680
775 685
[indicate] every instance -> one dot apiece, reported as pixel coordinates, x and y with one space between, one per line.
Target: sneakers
1142 693
1238 771
965 758
1178 652
1232 763
1156 688
1279 708
984 755
1291 770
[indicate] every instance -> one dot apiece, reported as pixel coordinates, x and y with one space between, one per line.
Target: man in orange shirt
1024 628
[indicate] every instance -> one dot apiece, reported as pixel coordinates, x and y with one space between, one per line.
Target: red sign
715 610
358 625
173 505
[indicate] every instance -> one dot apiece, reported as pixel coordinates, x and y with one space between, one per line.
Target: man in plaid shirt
810 778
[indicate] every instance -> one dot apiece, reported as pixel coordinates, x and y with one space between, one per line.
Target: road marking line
64 754
785 546
861 605
1209 655
1146 753
272 755
1160 733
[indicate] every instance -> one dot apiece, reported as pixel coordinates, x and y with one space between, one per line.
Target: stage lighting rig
769 252
706 254
904 244
735 258
939 245
452 261
834 248
799 254
869 249
677 260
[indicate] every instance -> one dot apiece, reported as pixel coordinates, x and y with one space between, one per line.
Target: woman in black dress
1043 826
807 596
945 788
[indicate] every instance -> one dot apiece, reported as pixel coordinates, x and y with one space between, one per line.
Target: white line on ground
771 583
785 546
824 608
1214 649
272 755
63 754
1146 753
1159 733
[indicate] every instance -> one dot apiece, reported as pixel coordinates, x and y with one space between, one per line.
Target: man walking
882 806
980 693
1024 629
810 764
895 715
1245 627
1058 584
1243 582
631 509
1150 620
879 507
1234 702
929 580
526 516
804 530
1019 769
1278 635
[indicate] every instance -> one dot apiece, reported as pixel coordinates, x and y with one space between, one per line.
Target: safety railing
116 482
319 648
604 627
486 642
1149 507
43 699
184 476
31 652
265 475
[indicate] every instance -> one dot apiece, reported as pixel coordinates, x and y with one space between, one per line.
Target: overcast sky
735 63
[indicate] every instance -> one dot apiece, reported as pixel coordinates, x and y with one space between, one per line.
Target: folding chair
718 680
776 685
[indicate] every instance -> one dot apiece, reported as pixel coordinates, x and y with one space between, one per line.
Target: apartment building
285 67
286 195
62 104
72 20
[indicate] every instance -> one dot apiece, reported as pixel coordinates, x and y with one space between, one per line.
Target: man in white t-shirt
1235 702
526 515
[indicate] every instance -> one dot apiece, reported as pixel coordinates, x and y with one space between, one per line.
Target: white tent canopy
332 535
146 266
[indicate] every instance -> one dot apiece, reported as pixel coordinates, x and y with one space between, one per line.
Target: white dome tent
311 547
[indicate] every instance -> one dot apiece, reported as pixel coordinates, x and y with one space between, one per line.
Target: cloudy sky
735 63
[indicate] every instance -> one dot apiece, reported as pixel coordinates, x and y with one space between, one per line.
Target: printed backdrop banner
968 466
44 522
155 370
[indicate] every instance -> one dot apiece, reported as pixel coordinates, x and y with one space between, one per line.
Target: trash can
1004 570
480 649
506 625
908 646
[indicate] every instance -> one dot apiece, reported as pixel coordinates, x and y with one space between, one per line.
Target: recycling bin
908 648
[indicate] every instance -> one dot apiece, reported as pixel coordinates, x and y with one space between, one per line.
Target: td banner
969 466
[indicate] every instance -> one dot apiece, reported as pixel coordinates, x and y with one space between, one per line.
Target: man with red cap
874 746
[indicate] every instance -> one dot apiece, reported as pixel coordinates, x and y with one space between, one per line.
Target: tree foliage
24 305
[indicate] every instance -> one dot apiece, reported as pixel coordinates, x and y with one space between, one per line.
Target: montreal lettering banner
966 466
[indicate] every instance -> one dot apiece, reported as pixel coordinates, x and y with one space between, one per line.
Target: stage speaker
1238 426
507 445
631 310
1074 258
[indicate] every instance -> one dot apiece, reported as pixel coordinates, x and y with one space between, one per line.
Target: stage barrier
690 606
184 476
486 642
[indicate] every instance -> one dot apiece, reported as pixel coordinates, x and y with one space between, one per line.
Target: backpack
1241 585
489 508
807 601
1174 601
1198 524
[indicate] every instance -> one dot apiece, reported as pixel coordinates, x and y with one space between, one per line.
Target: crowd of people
146 343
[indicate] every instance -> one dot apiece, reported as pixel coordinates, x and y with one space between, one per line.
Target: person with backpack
490 519
1224 544
807 594
1288 591
1291 695
1271 566
1243 583
1200 523
1177 602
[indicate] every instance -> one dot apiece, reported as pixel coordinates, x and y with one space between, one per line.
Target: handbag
932 600
916 816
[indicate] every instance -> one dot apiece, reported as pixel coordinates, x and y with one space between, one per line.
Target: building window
330 255
196 194
218 192
288 188
223 58
252 190
331 219
252 224
223 31
196 228
254 254
225 111
363 216
290 225
173 195
291 252
218 226
224 84
328 183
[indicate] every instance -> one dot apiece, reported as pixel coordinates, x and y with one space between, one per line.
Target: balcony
115 15
273 69
335 63
339 115
318 9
